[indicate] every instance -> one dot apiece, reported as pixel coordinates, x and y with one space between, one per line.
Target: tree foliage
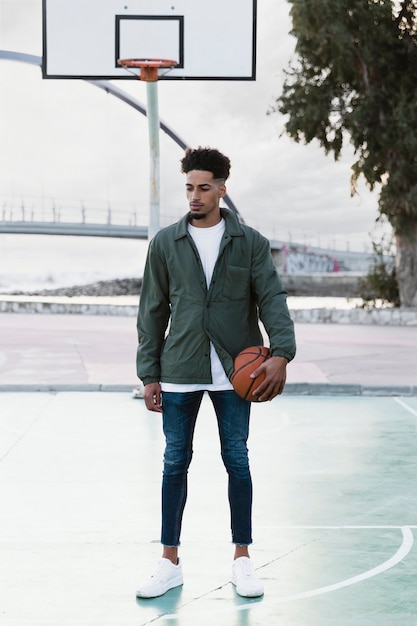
354 78
380 283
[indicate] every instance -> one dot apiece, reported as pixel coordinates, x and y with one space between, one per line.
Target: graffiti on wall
301 260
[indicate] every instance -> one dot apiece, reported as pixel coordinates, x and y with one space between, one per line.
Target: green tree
354 78
380 283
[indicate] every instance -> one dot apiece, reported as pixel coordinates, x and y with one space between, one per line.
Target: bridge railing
70 214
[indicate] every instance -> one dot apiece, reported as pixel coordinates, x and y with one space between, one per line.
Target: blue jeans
179 417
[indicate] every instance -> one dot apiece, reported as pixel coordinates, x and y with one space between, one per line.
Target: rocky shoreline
304 286
102 288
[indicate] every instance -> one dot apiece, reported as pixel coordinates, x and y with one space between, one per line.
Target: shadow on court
334 513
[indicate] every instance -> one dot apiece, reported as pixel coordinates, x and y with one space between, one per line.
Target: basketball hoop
148 67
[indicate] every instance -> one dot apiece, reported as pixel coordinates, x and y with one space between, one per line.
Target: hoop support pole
154 174
149 74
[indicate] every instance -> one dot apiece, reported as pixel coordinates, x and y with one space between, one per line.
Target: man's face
203 195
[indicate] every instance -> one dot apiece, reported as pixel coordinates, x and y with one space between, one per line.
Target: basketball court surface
335 513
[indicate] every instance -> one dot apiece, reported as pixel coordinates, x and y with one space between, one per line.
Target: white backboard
210 39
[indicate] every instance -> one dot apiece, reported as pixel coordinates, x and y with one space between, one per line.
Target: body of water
34 262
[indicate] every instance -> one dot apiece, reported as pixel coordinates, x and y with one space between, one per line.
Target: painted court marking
405 406
400 554
395 559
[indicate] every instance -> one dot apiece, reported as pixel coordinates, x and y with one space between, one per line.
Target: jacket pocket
236 283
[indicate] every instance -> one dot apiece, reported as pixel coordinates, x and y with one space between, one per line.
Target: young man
210 278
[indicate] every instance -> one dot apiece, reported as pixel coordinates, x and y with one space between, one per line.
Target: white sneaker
245 578
166 576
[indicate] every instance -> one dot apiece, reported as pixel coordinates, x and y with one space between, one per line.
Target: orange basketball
245 363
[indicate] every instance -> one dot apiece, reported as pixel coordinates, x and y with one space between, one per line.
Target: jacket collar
233 227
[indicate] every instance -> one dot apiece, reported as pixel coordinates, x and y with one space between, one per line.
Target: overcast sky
67 143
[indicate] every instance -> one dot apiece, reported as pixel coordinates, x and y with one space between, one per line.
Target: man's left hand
275 370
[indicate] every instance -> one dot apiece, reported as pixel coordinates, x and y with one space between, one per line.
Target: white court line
342 527
405 406
403 550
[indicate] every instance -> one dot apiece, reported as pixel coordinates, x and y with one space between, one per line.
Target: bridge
290 257
73 229
19 220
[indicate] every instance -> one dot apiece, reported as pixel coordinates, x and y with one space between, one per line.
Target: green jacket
245 287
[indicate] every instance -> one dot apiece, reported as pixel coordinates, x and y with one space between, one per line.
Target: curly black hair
206 159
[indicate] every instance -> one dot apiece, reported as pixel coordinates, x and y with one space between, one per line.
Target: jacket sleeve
153 316
272 301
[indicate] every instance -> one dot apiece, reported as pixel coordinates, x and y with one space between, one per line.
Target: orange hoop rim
147 69
147 63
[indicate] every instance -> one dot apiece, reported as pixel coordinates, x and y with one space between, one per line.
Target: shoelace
246 568
159 567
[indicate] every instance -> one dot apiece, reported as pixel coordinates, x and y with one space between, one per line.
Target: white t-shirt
207 241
